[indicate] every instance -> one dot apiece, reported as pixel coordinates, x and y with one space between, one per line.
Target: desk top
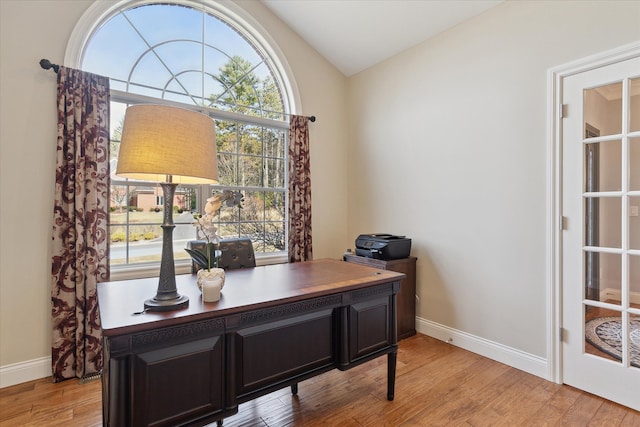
244 289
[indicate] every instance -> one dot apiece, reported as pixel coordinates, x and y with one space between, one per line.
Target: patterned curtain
80 246
299 191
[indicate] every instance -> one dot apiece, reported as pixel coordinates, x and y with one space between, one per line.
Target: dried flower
206 230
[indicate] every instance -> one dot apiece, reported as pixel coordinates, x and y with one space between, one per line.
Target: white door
601 238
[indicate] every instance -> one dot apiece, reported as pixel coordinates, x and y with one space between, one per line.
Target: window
195 58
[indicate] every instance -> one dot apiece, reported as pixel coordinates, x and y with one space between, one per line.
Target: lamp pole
167 296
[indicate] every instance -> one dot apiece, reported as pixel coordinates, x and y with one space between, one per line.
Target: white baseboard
22 372
526 362
616 295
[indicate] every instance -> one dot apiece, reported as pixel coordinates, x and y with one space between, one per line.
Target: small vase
211 289
213 274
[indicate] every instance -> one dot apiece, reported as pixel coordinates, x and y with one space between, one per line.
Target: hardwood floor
437 384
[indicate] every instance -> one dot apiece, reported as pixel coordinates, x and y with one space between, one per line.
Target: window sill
141 271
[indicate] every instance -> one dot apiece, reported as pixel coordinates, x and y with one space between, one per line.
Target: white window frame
100 12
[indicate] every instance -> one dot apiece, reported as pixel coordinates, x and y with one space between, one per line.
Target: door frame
554 221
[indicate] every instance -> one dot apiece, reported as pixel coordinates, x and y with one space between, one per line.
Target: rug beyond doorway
605 333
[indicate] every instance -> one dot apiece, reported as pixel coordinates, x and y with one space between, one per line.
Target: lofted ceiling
356 34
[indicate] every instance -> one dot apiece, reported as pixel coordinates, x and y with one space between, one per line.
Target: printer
383 246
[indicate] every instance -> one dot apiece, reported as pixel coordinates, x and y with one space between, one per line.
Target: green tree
249 155
239 85
241 147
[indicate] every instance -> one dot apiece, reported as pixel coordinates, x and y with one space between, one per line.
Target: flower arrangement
206 230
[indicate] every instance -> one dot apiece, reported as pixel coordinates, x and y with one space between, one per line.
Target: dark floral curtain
80 223
300 248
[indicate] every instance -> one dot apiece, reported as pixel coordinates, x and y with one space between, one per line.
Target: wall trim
521 360
22 372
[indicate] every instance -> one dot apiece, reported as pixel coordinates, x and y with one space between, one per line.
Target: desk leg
391 374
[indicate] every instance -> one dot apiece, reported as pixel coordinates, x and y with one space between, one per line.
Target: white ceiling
356 34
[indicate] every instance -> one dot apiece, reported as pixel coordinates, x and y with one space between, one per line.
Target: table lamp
168 145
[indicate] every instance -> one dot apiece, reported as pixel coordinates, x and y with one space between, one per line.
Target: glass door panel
634 159
603 108
603 166
603 185
603 281
603 329
634 280
634 223
602 219
634 105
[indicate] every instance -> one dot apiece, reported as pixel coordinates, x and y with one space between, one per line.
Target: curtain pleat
300 247
80 237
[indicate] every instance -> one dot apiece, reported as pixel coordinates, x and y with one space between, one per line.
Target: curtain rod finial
46 64
312 119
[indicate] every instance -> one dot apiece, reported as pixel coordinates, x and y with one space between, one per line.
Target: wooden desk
273 327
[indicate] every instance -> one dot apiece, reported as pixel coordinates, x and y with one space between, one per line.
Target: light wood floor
437 384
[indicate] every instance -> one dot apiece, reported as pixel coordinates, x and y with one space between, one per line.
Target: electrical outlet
633 211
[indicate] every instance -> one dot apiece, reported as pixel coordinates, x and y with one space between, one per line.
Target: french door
601 237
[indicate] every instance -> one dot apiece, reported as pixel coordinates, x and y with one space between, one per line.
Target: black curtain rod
46 64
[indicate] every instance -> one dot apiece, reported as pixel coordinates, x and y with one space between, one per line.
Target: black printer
383 246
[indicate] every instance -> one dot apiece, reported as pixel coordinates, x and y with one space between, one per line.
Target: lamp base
154 304
167 298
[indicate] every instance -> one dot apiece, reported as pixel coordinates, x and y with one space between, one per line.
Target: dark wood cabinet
407 297
196 365
376 335
164 376
274 327
274 352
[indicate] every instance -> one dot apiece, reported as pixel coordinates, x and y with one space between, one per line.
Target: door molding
555 77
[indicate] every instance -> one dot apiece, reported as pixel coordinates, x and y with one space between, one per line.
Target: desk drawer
178 383
281 350
369 327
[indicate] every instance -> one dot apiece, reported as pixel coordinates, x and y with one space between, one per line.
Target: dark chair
237 252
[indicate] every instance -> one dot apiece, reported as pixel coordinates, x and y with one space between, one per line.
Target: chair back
237 252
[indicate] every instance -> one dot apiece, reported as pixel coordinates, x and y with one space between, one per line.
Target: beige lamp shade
159 140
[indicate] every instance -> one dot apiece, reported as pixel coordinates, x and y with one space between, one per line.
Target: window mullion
134 98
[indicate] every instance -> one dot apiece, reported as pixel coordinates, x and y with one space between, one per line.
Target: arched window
193 56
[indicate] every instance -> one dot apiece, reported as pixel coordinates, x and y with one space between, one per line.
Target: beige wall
31 30
449 145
